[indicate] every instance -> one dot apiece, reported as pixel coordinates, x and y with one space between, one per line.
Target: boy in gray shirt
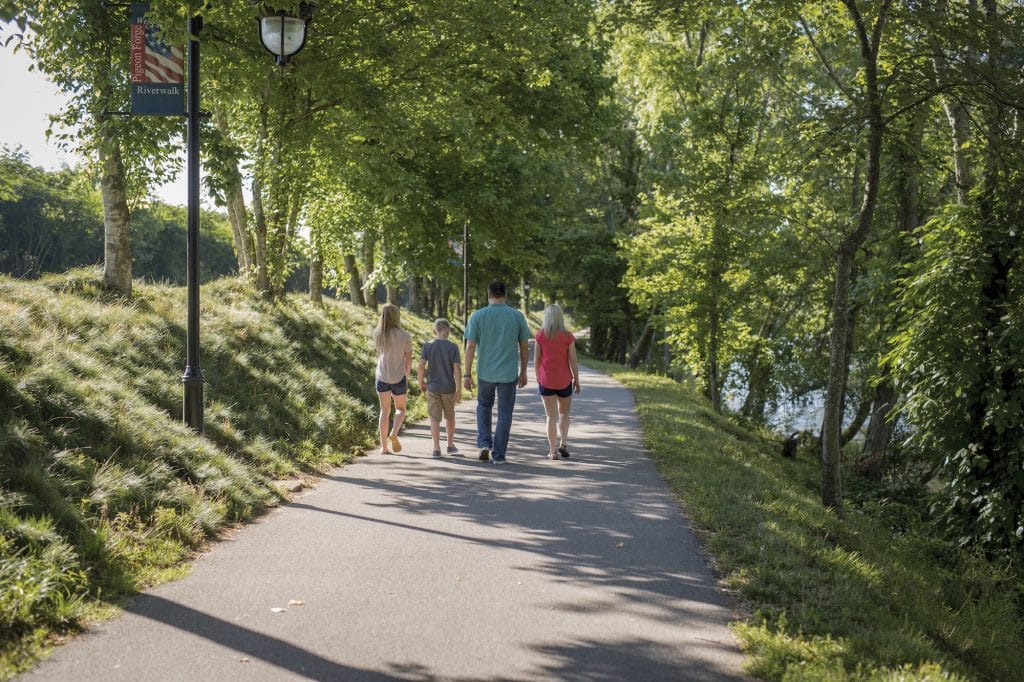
440 358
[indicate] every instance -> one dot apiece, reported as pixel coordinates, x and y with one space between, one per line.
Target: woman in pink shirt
558 376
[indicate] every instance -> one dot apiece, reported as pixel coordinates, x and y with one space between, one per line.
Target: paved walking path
418 569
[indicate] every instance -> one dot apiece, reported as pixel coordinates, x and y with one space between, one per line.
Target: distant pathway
418 569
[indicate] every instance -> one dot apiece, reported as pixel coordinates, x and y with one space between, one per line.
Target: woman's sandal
563 451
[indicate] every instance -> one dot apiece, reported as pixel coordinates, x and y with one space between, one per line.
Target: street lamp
283 33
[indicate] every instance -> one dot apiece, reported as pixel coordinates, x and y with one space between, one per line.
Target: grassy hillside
875 597
102 490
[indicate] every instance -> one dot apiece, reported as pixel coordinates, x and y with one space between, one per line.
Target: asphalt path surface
404 567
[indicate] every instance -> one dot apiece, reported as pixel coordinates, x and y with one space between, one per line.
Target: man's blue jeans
506 394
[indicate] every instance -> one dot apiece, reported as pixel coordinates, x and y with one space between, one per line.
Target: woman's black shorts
561 393
401 388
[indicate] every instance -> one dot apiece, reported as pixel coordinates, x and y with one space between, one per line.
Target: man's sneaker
436 454
485 454
454 451
499 460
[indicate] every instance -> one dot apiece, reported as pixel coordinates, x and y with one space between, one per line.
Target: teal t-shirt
497 330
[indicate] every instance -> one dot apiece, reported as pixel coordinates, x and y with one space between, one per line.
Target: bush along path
406 567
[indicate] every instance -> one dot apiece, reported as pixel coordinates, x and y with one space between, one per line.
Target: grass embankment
871 597
102 490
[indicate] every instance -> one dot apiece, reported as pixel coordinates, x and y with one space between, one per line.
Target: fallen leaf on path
278 609
243 660
621 545
296 602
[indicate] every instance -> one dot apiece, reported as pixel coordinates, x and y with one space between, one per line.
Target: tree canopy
777 200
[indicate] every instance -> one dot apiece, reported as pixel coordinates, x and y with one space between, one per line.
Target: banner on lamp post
157 69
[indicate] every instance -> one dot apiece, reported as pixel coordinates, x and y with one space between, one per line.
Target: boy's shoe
395 445
454 451
499 460
436 454
485 455
563 451
552 455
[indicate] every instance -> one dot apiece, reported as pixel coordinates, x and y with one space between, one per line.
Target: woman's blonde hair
554 321
389 321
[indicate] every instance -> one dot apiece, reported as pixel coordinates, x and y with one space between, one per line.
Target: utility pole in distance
465 274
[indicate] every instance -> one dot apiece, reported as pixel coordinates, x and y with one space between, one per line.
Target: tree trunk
622 345
117 249
316 279
370 289
642 348
286 230
999 380
758 380
958 115
260 225
239 220
880 430
355 282
714 334
415 296
759 369
237 216
394 296
831 451
857 423
883 418
959 124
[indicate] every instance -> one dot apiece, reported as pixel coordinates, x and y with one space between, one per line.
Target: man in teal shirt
499 339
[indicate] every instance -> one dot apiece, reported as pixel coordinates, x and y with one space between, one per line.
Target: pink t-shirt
554 371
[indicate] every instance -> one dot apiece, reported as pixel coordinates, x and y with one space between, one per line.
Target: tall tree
957 357
83 48
869 33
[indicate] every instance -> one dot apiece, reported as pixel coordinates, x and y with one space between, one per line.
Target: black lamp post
193 377
283 35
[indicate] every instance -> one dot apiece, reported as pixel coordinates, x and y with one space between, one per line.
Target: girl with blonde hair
394 363
558 376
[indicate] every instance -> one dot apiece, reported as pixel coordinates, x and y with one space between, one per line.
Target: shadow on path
245 641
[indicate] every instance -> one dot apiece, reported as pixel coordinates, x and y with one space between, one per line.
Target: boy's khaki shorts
440 403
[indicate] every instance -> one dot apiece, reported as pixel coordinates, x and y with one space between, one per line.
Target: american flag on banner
163 63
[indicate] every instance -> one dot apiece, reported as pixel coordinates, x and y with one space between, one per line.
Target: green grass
102 490
871 597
